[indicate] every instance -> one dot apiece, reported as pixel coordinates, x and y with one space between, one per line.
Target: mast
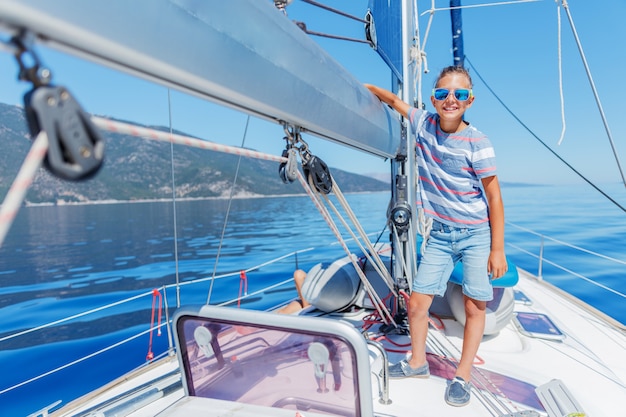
457 33
404 187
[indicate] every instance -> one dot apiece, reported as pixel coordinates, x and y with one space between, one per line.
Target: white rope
384 313
15 197
371 253
368 286
129 129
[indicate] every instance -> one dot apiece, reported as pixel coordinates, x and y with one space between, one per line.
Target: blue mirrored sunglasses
461 94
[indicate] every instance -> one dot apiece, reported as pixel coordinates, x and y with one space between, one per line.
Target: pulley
75 147
288 171
318 174
315 170
399 214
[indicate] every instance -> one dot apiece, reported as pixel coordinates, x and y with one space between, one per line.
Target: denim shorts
448 245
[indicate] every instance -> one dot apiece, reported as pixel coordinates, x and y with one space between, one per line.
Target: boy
460 192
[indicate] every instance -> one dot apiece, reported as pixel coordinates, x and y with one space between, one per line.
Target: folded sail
244 54
386 24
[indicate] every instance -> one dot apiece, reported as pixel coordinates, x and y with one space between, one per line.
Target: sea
121 263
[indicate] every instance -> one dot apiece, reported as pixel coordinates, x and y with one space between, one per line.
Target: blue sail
386 33
457 33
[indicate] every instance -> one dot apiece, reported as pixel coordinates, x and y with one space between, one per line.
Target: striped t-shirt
450 167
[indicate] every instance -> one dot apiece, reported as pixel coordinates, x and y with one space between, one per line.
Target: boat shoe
458 392
402 369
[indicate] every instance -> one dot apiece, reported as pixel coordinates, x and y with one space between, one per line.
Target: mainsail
385 21
243 54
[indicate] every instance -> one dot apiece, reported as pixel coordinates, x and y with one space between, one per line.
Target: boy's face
451 109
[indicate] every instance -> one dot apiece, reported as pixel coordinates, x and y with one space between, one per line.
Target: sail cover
386 17
244 54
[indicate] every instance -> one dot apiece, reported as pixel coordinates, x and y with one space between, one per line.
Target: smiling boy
460 192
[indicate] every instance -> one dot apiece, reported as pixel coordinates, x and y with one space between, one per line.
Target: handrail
541 258
143 332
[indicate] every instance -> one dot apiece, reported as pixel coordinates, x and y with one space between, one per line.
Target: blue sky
514 48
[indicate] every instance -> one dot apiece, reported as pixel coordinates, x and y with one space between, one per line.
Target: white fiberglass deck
508 368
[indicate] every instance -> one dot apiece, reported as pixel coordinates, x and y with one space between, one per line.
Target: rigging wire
230 202
560 60
545 145
336 11
169 108
434 9
303 26
593 88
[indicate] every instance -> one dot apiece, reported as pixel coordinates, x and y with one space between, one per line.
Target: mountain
139 169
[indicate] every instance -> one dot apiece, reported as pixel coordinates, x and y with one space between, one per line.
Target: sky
514 48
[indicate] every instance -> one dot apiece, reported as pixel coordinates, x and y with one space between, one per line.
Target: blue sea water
60 261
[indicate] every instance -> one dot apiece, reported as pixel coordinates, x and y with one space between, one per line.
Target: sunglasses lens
441 93
462 94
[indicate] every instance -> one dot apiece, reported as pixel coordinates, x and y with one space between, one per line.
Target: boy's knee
298 277
475 308
419 304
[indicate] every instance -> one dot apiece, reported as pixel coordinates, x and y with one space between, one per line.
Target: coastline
241 196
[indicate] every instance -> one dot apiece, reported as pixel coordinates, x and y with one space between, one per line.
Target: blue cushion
507 280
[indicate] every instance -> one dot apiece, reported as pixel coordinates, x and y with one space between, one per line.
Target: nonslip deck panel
558 400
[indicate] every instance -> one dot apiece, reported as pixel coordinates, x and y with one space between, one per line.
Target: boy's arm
497 265
390 98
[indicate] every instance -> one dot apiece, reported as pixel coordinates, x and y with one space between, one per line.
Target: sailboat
544 352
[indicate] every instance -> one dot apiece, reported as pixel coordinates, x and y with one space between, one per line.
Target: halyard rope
133 130
384 313
371 253
25 176
32 162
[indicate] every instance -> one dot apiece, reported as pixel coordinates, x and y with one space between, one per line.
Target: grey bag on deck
332 286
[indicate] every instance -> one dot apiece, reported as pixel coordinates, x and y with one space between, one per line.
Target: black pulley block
76 148
318 175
